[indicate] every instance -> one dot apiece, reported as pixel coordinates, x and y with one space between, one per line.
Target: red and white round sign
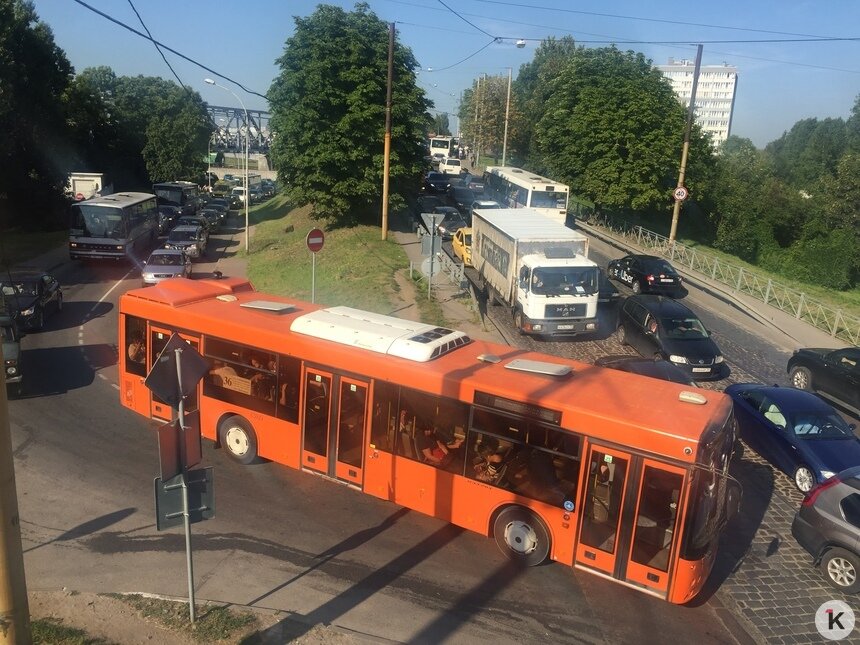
79 196
680 193
315 240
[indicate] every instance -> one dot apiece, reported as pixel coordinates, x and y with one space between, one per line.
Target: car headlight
11 370
718 359
827 474
29 312
678 359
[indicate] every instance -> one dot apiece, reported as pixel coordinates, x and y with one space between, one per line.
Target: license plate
666 280
701 369
564 327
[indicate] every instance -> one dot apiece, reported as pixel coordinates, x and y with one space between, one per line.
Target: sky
786 72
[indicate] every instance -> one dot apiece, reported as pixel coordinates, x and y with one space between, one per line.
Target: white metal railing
835 322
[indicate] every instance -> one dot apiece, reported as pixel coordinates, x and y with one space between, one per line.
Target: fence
835 322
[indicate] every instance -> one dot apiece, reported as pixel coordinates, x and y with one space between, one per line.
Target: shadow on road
57 370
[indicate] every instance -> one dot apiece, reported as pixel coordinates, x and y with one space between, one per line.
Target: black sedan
796 431
31 296
659 369
833 373
461 198
436 183
646 274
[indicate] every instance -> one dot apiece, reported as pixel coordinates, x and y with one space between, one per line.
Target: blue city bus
122 226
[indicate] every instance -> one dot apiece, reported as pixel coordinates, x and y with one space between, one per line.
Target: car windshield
556 281
657 266
687 328
815 425
20 288
182 236
165 259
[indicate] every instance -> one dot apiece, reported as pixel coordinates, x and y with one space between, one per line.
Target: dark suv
828 527
663 328
832 373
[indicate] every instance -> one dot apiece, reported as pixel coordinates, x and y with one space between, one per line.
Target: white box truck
537 267
85 185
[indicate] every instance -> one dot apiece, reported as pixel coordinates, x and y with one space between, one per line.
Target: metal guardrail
833 321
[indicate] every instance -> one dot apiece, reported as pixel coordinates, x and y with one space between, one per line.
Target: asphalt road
286 540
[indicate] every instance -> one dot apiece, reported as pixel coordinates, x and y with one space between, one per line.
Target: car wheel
801 378
238 437
637 288
804 479
521 535
841 568
622 336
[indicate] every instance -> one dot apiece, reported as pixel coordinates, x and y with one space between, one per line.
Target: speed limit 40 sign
680 193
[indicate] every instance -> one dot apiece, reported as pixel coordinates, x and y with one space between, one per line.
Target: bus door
158 337
629 520
335 414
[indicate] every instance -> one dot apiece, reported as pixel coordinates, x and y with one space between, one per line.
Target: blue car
795 431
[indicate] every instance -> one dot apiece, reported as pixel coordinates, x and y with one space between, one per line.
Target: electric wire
466 21
166 62
172 51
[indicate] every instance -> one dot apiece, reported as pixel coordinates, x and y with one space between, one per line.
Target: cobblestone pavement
762 575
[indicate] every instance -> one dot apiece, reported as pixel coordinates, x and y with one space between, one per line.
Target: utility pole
507 114
478 124
691 114
14 607
386 164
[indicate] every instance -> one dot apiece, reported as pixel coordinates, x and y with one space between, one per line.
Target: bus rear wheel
522 536
237 435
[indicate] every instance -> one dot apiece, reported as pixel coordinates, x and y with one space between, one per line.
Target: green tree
328 113
34 72
809 151
613 129
441 125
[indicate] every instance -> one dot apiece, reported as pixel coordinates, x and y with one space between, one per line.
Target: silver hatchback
828 527
164 264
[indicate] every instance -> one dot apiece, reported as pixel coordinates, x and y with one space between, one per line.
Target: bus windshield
169 195
97 221
558 281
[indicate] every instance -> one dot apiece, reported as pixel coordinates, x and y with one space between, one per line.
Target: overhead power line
172 51
149 34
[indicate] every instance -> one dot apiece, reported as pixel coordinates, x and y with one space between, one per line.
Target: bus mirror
734 492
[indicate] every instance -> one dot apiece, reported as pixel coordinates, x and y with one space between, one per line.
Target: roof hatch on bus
413 341
538 367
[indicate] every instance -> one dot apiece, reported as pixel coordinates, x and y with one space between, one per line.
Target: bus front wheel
522 536
238 437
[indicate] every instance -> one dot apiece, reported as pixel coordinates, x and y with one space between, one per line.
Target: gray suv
828 527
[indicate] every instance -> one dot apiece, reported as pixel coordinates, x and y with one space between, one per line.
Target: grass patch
52 631
212 623
18 246
355 267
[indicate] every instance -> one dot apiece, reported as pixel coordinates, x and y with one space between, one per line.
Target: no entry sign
315 240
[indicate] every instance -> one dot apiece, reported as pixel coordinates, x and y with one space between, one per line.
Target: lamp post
507 113
209 81
209 163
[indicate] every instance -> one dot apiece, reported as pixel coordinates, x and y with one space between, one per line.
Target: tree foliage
613 129
328 113
809 151
441 125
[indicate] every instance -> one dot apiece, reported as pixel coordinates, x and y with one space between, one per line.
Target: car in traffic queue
237 196
607 293
11 341
827 526
450 221
435 183
257 194
163 264
832 373
195 220
213 218
190 239
269 187
462 245
30 296
470 181
646 274
660 327
461 198
653 368
450 166
796 431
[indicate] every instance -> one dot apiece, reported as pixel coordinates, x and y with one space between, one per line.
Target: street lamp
209 81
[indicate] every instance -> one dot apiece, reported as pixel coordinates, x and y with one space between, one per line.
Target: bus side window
383 429
289 370
135 345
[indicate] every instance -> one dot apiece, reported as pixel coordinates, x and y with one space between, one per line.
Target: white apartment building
715 94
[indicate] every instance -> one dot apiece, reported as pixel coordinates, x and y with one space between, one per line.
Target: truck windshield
558 281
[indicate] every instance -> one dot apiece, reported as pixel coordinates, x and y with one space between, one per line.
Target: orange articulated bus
610 472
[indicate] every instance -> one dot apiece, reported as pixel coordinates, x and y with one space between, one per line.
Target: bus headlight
678 359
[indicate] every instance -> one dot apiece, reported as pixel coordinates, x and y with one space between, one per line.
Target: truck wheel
518 321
